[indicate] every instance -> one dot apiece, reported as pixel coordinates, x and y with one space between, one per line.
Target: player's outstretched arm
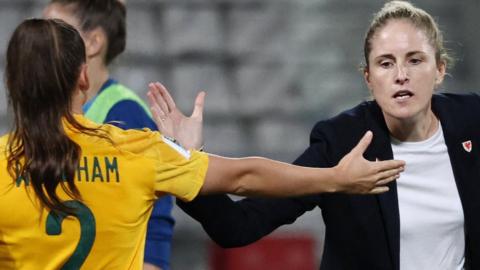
256 176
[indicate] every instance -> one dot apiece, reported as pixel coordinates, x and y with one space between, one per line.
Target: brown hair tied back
44 61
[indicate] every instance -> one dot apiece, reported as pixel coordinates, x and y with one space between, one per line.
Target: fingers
363 144
158 117
159 96
384 181
154 107
391 172
378 190
198 107
387 165
166 96
156 99
385 178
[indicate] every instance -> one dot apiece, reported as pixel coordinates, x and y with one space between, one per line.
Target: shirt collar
105 85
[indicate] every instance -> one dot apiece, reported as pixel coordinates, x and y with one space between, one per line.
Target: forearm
228 223
264 177
238 223
256 176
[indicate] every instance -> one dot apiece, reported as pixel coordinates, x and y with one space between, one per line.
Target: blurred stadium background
271 69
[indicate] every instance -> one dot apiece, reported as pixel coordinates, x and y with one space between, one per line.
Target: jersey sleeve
180 172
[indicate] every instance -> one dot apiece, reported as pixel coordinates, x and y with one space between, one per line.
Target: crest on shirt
467 146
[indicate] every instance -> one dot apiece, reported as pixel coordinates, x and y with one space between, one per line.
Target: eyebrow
390 56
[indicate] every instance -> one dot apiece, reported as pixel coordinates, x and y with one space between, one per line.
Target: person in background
102 25
429 218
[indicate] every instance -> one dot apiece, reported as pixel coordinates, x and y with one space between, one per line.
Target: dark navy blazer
362 231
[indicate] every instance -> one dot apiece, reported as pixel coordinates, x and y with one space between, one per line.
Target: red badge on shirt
467 145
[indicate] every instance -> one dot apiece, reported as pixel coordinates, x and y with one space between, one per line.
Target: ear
366 76
83 83
441 70
95 42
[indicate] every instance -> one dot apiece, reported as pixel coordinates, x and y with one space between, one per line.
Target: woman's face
403 72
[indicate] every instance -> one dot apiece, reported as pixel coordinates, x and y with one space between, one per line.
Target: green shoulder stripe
113 94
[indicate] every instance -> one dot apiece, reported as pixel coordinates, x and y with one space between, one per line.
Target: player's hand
172 122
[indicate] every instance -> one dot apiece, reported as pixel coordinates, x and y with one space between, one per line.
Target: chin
405 110
401 113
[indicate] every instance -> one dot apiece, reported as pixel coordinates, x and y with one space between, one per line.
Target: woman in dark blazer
430 217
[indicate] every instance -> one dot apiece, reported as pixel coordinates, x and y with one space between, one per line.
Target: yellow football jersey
118 184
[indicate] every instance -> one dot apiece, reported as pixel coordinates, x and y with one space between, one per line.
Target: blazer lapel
381 148
456 133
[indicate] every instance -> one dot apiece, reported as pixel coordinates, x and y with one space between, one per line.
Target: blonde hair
395 10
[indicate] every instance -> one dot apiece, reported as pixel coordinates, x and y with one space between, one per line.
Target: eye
415 61
385 64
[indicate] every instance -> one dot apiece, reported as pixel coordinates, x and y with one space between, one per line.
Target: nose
402 75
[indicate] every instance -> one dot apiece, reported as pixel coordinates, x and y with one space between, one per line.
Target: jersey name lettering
90 169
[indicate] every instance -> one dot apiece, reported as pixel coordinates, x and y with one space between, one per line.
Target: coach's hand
355 174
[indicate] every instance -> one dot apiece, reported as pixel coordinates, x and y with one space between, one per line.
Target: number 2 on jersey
87 234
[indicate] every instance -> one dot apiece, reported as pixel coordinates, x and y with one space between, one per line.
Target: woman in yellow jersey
74 194
102 25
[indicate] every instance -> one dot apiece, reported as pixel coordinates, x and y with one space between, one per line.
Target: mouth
403 94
